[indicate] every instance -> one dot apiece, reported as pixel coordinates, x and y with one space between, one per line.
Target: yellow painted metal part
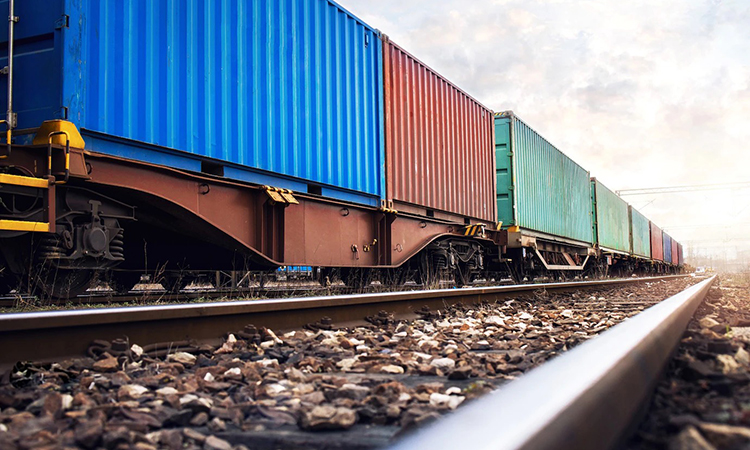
51 126
20 225
387 207
288 197
515 229
474 230
17 180
280 195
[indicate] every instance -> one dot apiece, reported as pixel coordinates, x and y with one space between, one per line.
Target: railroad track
460 309
36 336
162 296
584 399
157 295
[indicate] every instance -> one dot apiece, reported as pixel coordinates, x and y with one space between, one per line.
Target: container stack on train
557 218
208 150
543 201
612 225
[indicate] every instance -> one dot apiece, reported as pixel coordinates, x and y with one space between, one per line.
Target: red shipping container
675 252
440 149
657 245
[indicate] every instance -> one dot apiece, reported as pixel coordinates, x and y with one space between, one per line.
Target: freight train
165 138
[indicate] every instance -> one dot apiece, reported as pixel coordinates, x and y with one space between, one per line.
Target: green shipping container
640 234
538 187
611 223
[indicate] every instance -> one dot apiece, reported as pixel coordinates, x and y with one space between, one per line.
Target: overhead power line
688 188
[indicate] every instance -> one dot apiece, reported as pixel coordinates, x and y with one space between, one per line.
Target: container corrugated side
439 140
657 243
675 252
290 88
667 243
612 225
640 233
538 187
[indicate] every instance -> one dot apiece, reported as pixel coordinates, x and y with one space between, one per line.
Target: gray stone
214 443
725 436
443 363
328 417
690 439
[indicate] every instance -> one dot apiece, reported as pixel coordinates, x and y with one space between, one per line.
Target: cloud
640 93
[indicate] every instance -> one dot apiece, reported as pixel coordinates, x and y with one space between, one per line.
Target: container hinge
279 195
62 22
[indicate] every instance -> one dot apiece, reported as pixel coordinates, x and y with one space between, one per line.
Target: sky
640 93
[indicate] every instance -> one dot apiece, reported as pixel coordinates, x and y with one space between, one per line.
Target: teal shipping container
538 187
611 224
640 234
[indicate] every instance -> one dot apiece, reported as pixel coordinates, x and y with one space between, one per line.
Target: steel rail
586 398
61 334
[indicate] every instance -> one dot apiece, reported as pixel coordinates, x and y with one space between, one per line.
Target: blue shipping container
281 92
667 240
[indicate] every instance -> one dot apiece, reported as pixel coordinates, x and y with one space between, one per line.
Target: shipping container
538 187
611 223
640 233
675 252
657 243
439 141
287 93
667 243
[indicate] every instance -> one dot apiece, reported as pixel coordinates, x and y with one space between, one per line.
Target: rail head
99 316
583 399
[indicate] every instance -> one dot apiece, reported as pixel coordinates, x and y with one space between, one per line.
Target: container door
37 80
